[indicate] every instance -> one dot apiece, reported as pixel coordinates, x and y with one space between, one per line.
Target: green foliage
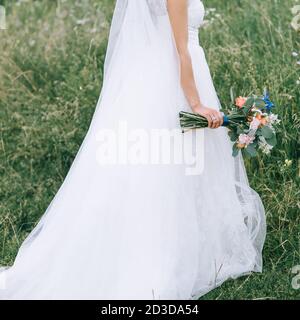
267 132
51 63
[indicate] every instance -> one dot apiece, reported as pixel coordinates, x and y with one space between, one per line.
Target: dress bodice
196 14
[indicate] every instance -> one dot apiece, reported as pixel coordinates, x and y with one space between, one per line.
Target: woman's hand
214 117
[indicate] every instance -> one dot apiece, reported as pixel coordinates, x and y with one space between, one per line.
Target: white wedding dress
144 231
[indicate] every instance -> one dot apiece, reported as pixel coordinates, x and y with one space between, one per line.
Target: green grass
51 63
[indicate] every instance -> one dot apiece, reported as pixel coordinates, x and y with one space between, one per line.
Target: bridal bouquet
251 124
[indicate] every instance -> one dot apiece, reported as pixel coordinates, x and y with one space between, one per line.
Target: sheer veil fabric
144 231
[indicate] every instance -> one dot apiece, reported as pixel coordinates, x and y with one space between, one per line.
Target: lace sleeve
158 7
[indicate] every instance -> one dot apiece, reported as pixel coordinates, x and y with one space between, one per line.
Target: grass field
51 61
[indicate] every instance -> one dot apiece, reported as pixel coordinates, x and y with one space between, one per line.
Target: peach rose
264 121
240 145
240 101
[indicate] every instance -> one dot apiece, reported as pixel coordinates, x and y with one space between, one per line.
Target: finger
221 119
215 123
215 120
209 121
218 119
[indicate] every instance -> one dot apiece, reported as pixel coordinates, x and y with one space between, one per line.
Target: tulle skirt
144 230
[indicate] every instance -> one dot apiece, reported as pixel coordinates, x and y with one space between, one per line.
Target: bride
146 229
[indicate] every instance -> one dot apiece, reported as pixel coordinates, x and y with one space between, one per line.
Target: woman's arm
178 14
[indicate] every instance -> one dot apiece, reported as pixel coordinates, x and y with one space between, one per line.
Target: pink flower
240 101
245 139
255 123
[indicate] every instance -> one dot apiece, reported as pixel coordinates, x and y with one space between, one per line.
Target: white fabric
158 7
144 231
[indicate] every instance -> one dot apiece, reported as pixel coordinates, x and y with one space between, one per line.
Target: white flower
273 118
264 146
295 54
205 23
210 10
82 22
288 163
295 22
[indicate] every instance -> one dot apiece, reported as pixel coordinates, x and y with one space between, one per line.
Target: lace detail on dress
158 7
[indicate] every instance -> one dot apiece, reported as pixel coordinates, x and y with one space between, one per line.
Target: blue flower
268 102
